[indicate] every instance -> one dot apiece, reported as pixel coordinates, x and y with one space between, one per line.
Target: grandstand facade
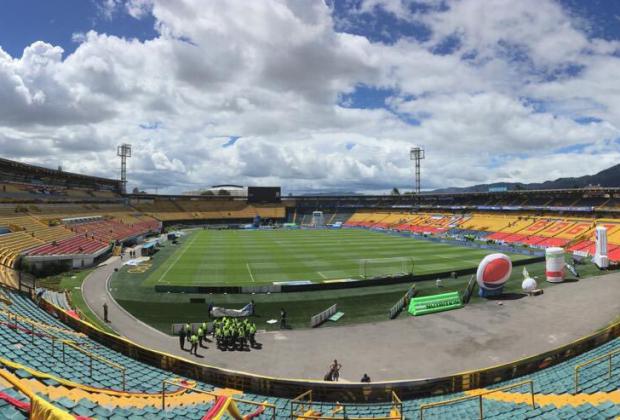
50 215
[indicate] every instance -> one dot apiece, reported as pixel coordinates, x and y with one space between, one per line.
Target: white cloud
273 72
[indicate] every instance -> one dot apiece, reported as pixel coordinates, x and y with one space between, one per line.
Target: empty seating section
31 233
110 230
56 233
12 244
13 403
27 223
70 386
58 211
574 233
72 246
489 223
166 210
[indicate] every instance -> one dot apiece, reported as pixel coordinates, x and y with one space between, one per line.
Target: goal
317 219
378 267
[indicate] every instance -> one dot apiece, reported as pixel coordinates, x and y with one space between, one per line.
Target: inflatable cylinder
555 264
600 255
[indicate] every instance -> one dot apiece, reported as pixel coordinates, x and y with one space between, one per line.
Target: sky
312 95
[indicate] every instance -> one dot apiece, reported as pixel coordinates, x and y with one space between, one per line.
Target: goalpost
378 267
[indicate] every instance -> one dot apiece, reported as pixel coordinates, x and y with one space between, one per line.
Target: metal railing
33 327
41 324
166 382
479 397
609 356
92 357
303 403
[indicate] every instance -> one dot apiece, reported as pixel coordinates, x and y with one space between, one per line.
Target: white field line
322 275
247 265
177 259
456 258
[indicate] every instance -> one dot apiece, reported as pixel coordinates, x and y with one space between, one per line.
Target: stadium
160 261
359 210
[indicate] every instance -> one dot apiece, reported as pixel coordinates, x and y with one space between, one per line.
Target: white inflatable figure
529 283
600 258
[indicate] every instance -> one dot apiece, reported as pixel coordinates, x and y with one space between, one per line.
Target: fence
609 356
303 407
479 397
321 317
395 310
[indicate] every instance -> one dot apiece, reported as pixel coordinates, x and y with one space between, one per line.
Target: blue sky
56 21
312 95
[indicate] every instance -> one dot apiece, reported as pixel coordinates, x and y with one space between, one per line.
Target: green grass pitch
237 257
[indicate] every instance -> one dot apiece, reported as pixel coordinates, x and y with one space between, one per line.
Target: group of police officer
233 333
193 337
229 333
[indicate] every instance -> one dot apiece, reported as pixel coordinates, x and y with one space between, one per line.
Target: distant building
224 189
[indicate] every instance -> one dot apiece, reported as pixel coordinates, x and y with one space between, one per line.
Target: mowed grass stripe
254 257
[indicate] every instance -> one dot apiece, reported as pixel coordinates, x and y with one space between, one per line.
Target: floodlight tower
124 151
416 154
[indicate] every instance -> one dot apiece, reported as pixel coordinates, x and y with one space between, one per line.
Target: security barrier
321 317
435 303
402 302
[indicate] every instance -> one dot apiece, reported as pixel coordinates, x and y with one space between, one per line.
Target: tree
208 192
223 192
135 190
395 191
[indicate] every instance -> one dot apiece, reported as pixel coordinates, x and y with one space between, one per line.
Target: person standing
105 312
335 370
182 338
282 318
201 335
194 341
365 378
252 308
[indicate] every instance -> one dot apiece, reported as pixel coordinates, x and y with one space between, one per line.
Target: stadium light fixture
123 151
416 154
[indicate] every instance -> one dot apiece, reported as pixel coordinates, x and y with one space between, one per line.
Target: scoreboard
264 195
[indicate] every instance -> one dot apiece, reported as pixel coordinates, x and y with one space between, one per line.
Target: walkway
475 337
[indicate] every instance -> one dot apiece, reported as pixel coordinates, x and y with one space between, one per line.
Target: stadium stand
110 230
70 246
64 378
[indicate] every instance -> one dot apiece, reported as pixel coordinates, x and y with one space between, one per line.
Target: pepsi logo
494 270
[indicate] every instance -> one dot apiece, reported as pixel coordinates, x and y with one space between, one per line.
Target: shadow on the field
508 296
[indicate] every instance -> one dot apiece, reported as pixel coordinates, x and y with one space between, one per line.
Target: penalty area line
247 265
176 260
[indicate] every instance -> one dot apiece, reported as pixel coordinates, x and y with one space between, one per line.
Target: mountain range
609 177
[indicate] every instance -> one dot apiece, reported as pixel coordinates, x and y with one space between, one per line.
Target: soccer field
239 257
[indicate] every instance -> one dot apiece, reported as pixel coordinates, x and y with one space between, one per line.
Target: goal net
378 267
